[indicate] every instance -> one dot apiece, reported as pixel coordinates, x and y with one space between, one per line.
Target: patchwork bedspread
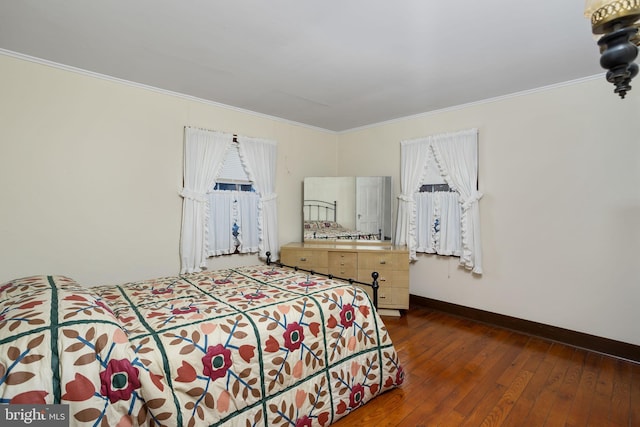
252 346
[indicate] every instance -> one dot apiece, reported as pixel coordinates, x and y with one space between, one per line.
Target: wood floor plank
538 350
566 392
560 357
453 377
500 411
601 403
484 406
524 412
581 406
464 373
508 376
482 367
468 376
621 397
479 402
634 410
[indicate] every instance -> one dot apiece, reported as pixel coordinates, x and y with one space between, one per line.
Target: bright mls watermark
34 415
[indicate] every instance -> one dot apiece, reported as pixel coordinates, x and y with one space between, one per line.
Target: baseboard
607 346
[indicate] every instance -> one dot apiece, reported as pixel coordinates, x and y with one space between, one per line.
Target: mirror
347 208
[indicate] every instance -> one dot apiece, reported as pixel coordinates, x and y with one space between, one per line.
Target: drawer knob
383 262
303 259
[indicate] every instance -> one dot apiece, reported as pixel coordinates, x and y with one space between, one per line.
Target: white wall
560 173
90 171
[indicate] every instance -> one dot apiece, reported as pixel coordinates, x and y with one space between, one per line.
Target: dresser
357 261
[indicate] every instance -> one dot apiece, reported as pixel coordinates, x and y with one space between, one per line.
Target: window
233 202
430 218
203 219
437 214
438 222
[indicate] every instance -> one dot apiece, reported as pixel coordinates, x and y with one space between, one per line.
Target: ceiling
335 65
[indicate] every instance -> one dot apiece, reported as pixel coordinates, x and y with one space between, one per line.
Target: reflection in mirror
347 208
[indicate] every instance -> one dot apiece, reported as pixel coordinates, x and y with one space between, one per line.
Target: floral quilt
251 346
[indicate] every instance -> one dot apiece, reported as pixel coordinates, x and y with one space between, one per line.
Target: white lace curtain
204 155
259 158
438 223
233 207
456 156
203 158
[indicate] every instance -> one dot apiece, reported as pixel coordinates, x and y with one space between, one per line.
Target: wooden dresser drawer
343 264
387 278
308 259
376 261
393 298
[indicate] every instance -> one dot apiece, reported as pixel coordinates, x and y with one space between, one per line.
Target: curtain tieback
471 200
406 198
193 195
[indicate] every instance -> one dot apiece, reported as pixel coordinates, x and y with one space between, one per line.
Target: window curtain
203 158
438 223
456 156
413 159
219 237
247 204
259 158
233 207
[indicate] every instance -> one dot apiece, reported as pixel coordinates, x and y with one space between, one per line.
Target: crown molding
476 103
280 119
93 74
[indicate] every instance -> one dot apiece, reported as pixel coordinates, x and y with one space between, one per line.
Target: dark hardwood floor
463 373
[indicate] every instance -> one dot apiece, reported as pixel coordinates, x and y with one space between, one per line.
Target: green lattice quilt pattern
254 346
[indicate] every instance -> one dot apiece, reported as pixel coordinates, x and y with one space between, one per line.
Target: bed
261 345
320 222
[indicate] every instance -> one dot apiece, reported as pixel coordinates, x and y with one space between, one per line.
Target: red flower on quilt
255 295
216 362
119 380
356 396
347 315
79 389
30 397
5 287
304 421
293 336
161 291
332 322
184 310
364 310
